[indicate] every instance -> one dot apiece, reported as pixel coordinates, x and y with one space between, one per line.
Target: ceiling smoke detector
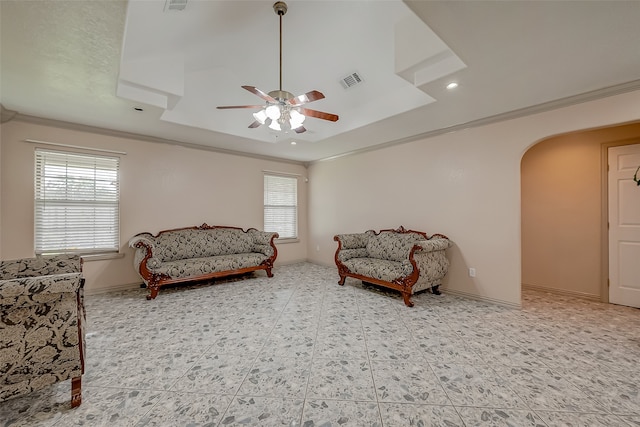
351 80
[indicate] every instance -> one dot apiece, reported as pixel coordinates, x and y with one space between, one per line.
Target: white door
624 226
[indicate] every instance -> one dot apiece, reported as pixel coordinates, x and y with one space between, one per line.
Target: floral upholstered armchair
41 324
408 261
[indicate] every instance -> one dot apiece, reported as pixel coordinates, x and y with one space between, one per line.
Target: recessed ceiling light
452 85
138 108
293 143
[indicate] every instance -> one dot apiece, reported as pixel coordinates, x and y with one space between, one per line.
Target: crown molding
522 112
129 135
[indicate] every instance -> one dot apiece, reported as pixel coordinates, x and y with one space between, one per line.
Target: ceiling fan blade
319 114
260 93
226 107
314 95
300 129
255 124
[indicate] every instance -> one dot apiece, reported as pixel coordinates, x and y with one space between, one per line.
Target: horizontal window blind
281 205
76 203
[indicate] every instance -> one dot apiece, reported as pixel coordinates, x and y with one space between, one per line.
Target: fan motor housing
280 95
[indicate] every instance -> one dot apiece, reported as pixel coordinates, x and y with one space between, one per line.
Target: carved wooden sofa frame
421 252
148 267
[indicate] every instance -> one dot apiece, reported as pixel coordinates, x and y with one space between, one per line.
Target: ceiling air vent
351 80
175 5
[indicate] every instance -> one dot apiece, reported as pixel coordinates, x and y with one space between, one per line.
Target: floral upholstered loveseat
405 260
201 253
41 325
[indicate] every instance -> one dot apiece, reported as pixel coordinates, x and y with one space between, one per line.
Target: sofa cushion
188 244
379 268
391 246
206 265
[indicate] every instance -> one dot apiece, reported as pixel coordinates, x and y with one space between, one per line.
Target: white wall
162 186
465 185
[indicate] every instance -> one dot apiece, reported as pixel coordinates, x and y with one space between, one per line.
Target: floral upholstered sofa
41 325
405 260
201 253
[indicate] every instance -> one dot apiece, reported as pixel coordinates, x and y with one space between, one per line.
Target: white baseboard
576 294
322 264
481 298
114 288
295 261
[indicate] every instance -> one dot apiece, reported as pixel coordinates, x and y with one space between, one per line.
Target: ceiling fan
283 110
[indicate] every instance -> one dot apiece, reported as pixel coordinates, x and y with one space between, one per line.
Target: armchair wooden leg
76 391
153 292
407 299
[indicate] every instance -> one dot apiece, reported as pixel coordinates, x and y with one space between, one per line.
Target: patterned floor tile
298 349
468 385
216 374
407 382
340 413
263 411
570 419
277 377
405 414
341 380
185 409
544 389
486 417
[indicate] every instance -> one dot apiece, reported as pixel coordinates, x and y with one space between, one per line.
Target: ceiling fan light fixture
296 119
273 112
275 125
283 111
261 116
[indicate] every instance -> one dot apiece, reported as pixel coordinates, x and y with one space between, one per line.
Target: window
281 205
76 203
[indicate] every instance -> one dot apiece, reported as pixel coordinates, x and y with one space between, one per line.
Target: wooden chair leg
76 391
407 299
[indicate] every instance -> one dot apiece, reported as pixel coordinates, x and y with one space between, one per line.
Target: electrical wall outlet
472 272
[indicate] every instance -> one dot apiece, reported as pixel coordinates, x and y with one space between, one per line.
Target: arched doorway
564 211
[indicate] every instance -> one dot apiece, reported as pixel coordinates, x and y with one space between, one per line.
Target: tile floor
299 350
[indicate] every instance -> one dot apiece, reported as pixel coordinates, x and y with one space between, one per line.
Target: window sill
284 241
102 257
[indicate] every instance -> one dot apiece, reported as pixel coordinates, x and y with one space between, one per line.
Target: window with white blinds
76 203
281 205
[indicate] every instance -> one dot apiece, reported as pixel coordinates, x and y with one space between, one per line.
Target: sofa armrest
263 241
144 241
352 245
144 244
262 237
28 291
436 244
352 240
